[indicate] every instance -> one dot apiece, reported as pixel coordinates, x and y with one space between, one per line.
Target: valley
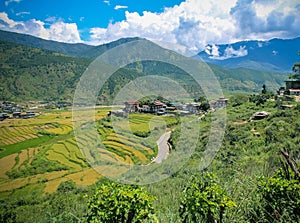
233 158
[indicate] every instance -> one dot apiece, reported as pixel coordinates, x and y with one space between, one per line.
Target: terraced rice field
61 130
67 154
14 134
6 164
25 142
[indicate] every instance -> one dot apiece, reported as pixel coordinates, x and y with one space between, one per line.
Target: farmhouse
295 92
16 115
193 108
292 85
157 106
132 106
176 105
219 103
154 107
30 114
3 116
260 115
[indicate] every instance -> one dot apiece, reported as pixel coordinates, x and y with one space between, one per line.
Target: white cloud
11 1
230 52
58 30
51 19
107 2
194 23
214 52
22 13
117 7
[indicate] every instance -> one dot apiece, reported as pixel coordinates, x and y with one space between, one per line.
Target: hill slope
78 49
31 73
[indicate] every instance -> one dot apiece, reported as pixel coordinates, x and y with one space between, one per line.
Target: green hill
29 73
77 49
238 79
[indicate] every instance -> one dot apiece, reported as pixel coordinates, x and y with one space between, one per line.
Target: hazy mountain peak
277 55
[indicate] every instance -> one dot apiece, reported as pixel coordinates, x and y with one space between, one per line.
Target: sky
192 23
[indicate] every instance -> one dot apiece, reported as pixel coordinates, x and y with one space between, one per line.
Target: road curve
163 147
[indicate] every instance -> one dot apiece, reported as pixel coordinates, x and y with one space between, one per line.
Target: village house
260 115
157 106
193 108
176 105
153 107
292 84
219 103
3 116
30 114
16 115
295 92
132 106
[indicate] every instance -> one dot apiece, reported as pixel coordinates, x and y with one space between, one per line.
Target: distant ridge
72 49
275 55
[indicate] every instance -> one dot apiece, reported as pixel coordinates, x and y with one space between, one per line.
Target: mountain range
37 69
74 49
276 55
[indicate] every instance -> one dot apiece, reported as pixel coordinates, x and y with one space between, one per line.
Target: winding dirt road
163 147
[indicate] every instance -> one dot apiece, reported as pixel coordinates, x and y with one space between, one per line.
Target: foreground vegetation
44 178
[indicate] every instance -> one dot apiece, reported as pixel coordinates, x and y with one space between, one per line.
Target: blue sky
190 23
89 14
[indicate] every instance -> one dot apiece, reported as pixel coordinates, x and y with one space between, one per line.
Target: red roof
158 103
132 102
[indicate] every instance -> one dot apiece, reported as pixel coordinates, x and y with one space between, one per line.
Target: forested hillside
33 74
77 49
30 73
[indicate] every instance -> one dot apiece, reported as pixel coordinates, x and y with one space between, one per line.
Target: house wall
292 85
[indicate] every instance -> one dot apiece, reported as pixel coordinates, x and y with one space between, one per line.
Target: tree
204 200
118 203
296 68
264 90
204 106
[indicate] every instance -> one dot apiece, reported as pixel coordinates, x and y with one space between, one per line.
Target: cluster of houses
11 110
161 108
